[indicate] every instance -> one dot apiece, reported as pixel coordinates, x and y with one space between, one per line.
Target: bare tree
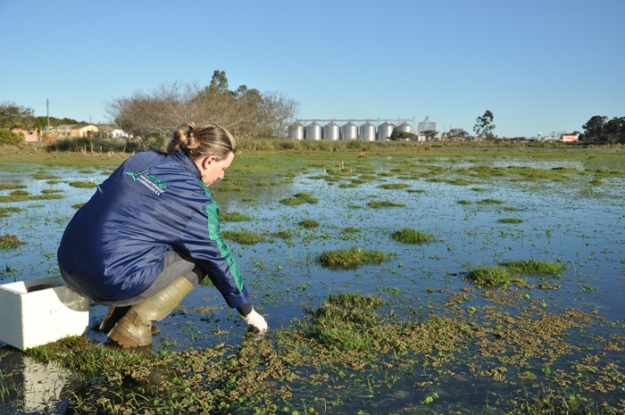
245 112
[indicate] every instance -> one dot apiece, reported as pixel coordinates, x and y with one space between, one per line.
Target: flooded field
411 330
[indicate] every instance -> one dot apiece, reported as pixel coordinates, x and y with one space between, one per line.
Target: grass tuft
10 242
343 321
384 203
83 185
233 217
391 186
308 224
411 236
352 257
243 237
510 220
11 186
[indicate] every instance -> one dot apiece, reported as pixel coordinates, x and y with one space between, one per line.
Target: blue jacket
113 247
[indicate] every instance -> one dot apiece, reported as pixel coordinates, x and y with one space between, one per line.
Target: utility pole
48 113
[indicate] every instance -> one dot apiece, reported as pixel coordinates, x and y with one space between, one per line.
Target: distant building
112 131
569 137
426 125
74 130
30 136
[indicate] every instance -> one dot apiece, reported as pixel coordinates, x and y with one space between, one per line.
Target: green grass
5 211
489 276
283 234
352 257
411 236
384 203
84 185
307 198
534 267
415 191
292 201
343 321
308 224
510 220
350 230
10 241
243 237
78 205
45 176
464 202
51 191
11 186
26 197
233 217
390 186
507 271
490 202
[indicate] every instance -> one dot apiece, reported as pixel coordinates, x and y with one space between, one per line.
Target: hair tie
215 125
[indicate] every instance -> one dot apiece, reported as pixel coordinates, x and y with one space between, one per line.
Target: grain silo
367 131
404 128
331 131
349 131
296 130
313 131
385 130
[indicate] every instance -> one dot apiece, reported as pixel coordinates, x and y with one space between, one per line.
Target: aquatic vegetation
389 186
306 197
233 217
342 321
85 185
11 186
10 241
25 197
507 271
4 211
533 267
415 191
283 234
78 205
490 202
489 276
51 191
308 224
299 199
464 202
352 257
20 193
510 220
45 176
411 236
350 230
243 237
384 203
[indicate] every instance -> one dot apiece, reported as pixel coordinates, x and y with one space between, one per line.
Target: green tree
484 126
430 134
593 129
612 131
401 135
15 116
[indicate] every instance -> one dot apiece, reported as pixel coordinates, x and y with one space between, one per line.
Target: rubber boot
112 317
135 328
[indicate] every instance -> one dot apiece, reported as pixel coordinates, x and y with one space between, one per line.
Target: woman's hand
256 321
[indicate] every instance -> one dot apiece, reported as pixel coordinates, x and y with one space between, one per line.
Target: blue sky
545 65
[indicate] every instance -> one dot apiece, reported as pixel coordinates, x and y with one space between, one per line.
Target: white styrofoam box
30 318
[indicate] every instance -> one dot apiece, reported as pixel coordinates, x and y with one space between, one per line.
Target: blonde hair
205 140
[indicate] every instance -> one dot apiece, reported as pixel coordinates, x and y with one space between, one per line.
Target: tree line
601 130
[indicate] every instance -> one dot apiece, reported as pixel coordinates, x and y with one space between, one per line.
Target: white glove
256 321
